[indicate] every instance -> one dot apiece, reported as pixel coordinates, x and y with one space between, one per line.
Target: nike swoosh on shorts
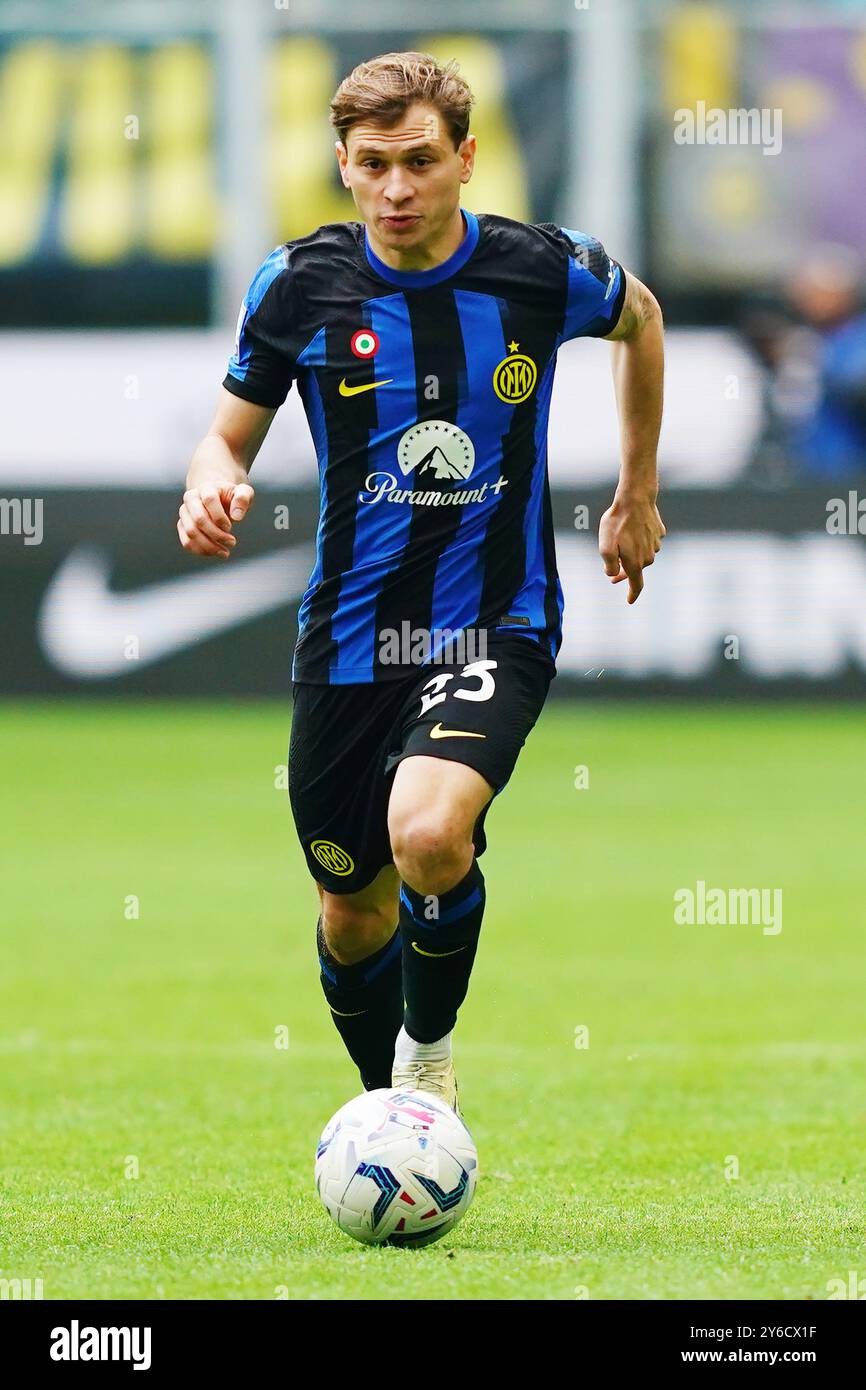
438 732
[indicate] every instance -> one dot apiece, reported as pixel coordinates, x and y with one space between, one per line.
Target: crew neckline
418 279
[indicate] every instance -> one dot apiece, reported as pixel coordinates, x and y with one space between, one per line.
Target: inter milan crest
515 376
332 857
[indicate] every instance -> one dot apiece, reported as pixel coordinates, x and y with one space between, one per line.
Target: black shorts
347 740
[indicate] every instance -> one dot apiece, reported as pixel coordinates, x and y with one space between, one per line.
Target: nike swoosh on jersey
83 625
438 732
346 390
436 954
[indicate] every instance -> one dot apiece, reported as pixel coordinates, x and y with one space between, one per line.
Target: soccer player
423 341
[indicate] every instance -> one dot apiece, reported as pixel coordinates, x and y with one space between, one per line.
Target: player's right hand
204 523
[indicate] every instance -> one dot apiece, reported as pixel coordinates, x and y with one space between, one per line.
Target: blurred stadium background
158 915
151 156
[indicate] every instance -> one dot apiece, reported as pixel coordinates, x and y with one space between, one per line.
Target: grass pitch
707 1143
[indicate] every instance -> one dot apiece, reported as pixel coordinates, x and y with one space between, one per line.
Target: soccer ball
396 1167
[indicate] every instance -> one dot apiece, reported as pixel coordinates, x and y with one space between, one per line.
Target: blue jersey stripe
459 580
308 388
590 302
532 599
314 354
269 270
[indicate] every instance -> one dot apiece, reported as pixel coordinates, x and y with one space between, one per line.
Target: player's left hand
629 538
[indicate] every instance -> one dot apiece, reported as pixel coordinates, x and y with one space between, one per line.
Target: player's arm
631 530
260 373
218 489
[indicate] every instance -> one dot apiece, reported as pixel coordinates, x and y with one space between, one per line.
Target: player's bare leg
355 925
360 950
432 812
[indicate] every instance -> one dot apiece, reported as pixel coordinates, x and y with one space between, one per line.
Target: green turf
603 1169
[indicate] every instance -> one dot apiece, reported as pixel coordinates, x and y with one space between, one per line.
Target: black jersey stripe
504 550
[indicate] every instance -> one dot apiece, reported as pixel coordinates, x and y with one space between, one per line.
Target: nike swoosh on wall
83 625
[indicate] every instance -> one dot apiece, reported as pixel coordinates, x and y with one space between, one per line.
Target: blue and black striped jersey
427 395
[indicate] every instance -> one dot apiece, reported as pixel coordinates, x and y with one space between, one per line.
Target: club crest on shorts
332 857
515 376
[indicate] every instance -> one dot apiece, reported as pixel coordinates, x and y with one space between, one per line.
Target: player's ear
467 157
342 159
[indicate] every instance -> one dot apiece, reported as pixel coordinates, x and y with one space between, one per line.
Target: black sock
440 938
366 1002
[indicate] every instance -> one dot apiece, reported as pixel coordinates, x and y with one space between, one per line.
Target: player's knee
431 852
353 932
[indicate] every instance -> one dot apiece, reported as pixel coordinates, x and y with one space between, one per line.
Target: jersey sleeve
596 288
261 368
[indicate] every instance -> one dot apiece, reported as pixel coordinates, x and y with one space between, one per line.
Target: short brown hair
383 88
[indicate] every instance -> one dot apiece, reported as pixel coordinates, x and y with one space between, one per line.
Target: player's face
406 178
